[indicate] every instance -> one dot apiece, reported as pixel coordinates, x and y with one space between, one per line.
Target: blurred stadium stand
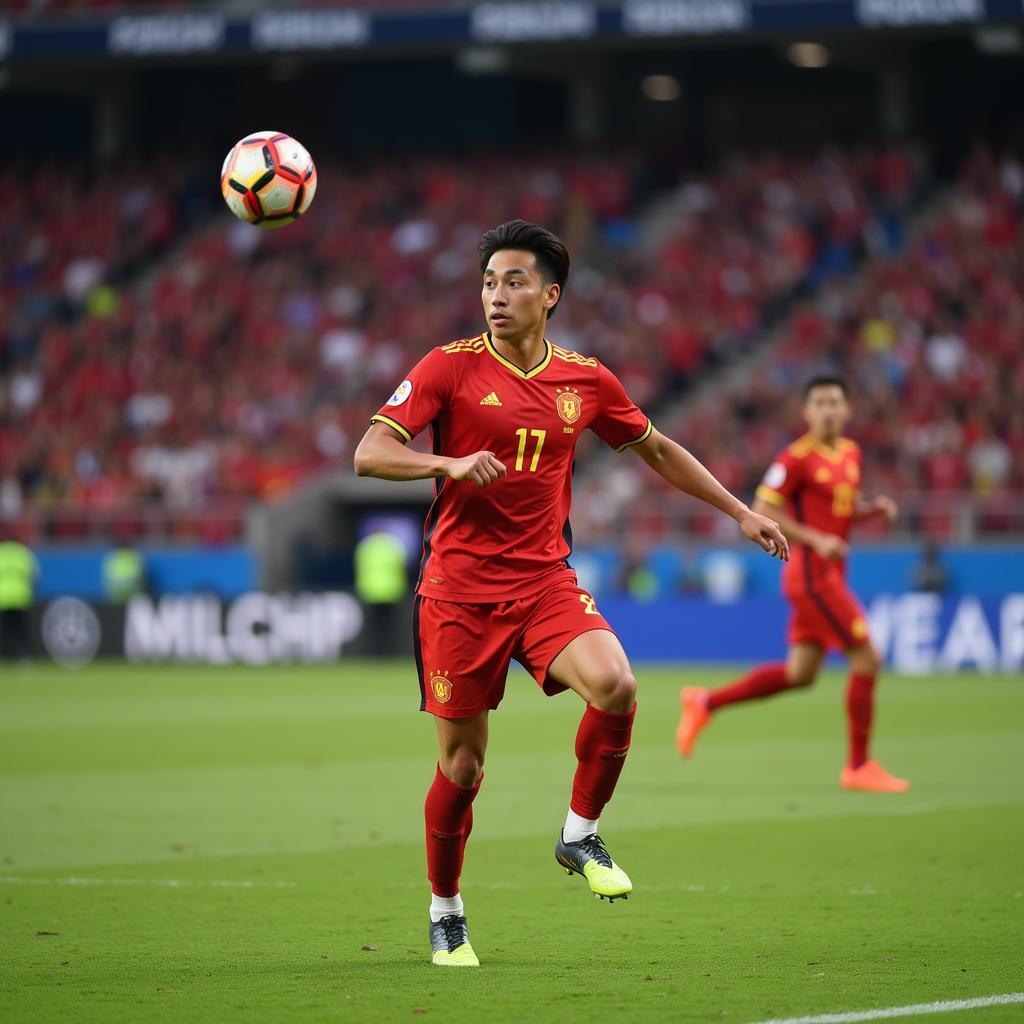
738 217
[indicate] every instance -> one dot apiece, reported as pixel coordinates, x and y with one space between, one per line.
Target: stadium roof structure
212 30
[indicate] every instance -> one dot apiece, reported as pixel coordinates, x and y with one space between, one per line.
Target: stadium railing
944 516
947 516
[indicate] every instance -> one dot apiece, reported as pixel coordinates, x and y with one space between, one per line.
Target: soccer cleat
449 943
871 777
590 858
695 716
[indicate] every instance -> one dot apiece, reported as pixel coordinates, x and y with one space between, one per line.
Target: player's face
826 411
515 295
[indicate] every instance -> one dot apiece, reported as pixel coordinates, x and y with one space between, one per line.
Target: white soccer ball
268 179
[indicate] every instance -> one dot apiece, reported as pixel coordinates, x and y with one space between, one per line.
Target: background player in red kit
812 489
506 409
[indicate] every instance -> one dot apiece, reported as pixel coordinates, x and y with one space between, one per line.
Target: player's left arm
674 464
870 508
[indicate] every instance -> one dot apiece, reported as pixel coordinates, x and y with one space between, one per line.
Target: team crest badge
568 402
441 687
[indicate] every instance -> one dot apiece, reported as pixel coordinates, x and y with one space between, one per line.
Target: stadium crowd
929 340
154 349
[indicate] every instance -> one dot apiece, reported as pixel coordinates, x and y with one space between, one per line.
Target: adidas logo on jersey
491 399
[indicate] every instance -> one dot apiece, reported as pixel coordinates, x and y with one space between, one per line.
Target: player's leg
860 772
595 666
462 744
699 704
448 815
462 658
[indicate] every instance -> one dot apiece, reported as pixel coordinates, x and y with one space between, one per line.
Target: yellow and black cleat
590 858
449 943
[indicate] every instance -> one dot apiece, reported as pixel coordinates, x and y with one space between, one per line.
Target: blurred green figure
19 571
381 584
124 574
636 577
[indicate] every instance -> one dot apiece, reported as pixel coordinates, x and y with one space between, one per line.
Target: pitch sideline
918 1009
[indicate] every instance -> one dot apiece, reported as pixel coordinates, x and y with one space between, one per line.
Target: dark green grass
285 808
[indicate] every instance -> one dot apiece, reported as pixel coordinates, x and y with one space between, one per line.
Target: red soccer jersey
819 485
506 540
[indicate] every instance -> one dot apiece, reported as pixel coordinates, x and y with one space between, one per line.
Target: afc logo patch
441 688
568 403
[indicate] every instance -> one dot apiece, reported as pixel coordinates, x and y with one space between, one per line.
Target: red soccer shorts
828 616
463 650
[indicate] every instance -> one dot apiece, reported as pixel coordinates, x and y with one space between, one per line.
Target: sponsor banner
254 628
684 17
148 35
901 13
502 22
72 632
915 633
309 30
920 633
512 21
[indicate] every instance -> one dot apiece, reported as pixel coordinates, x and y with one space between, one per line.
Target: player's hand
765 533
481 468
831 547
884 506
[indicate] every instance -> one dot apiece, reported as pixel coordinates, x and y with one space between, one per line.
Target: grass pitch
238 845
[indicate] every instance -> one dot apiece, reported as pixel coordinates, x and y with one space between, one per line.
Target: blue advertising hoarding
916 633
977 622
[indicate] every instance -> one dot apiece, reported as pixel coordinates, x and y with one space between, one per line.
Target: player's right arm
382 453
777 489
417 402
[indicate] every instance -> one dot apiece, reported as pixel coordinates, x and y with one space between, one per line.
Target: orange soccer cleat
871 777
693 701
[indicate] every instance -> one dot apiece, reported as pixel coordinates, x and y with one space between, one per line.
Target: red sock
761 682
601 746
860 705
448 812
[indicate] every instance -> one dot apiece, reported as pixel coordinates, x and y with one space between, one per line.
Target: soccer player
506 409
812 490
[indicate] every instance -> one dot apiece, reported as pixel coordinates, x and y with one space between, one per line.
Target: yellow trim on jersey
807 444
467 345
378 418
772 497
568 356
802 446
525 374
640 440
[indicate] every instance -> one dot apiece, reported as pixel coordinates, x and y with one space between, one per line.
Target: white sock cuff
577 828
443 906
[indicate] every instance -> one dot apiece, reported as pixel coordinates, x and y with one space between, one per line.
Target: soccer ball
268 179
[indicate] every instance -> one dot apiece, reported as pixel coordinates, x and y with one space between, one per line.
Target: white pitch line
946 1006
164 883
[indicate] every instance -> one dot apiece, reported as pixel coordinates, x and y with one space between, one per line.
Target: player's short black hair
547 248
826 380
